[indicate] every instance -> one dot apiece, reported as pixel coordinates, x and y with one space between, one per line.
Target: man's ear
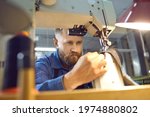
55 42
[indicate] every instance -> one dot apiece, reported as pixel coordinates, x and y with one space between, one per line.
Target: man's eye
69 43
78 43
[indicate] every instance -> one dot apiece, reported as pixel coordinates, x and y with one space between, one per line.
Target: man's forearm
70 82
53 84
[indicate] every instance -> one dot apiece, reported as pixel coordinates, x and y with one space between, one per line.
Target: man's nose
74 48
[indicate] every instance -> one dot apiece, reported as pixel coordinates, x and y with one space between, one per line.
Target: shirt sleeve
44 79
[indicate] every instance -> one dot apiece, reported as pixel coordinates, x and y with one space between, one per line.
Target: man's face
70 48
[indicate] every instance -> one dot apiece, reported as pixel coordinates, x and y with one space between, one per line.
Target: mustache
75 54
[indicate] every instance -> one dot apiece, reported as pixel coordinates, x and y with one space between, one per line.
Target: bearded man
67 68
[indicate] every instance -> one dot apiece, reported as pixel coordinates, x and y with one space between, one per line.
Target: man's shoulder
46 58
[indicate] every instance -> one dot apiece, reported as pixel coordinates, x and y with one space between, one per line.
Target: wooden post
26 84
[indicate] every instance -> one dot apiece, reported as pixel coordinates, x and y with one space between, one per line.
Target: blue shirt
50 73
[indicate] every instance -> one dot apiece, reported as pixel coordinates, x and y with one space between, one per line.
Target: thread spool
18 44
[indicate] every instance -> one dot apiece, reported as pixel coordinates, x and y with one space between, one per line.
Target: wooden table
141 92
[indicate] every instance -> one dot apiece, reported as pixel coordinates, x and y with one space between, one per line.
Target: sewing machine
94 17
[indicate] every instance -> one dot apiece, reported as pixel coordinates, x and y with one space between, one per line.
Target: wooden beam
126 93
4 96
141 92
60 20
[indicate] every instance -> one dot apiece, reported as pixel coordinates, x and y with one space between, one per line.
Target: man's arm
88 68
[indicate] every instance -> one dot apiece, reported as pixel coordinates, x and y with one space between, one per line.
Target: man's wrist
70 82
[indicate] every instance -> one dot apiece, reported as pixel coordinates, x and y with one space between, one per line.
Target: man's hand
88 68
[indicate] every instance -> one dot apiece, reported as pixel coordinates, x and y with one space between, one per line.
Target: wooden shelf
4 96
126 93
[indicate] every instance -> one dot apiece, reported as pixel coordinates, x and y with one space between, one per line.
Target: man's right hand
89 67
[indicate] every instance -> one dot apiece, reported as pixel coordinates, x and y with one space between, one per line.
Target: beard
69 59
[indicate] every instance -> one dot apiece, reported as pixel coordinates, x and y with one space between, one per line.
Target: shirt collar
56 60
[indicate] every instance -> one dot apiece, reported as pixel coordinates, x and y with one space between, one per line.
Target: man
67 69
